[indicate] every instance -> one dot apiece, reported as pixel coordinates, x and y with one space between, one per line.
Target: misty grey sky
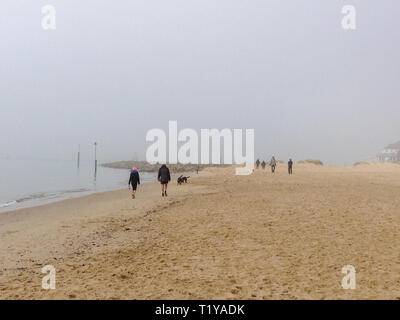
112 70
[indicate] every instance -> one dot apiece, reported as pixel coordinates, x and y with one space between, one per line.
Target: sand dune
221 236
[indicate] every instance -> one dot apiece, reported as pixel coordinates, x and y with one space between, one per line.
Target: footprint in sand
235 291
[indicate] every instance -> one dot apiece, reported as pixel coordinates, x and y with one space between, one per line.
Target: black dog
182 179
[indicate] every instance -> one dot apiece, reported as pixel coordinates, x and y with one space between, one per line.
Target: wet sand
220 236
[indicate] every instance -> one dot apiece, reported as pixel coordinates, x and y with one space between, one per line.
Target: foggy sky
112 70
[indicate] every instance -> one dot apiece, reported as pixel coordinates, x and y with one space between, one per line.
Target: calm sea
35 182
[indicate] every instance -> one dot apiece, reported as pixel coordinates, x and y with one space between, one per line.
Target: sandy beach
220 236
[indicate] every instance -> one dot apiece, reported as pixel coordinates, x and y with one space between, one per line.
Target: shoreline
220 236
57 196
46 200
88 196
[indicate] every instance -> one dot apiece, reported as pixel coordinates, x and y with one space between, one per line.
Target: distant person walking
263 164
164 177
257 163
134 180
290 166
272 163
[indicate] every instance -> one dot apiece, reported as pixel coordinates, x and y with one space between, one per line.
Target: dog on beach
182 179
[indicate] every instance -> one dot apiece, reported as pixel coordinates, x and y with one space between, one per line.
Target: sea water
26 183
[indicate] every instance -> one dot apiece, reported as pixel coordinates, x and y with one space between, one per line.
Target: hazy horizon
112 71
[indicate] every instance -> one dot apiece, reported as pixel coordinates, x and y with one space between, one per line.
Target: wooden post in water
79 155
95 160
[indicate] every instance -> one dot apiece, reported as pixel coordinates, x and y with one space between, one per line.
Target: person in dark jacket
164 177
263 164
134 180
290 166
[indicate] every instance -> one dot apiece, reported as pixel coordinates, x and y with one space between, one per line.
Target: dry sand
221 236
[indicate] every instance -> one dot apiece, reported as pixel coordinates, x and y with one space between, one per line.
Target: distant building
390 154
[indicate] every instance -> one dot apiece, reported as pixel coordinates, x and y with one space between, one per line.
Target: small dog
182 179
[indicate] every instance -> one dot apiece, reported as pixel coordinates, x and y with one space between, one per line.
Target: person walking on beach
290 166
263 164
272 163
134 180
164 177
257 163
